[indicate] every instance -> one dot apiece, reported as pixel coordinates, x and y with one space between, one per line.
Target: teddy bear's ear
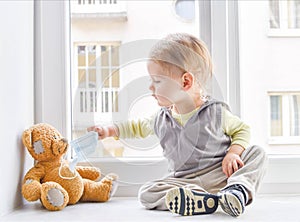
26 138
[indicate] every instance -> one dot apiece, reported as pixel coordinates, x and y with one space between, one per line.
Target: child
207 147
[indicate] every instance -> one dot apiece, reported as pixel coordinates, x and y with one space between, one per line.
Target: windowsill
125 159
284 33
280 177
284 141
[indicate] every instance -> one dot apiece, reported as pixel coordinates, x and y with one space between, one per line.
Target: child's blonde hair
186 52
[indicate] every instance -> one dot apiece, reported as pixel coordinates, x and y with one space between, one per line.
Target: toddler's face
166 88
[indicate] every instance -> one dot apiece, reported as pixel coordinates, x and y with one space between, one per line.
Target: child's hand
103 132
232 161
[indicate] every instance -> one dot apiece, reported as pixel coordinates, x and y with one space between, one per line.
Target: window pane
297 13
115 56
274 14
92 78
105 78
115 78
81 78
104 56
92 55
294 14
295 115
185 9
81 55
104 65
276 115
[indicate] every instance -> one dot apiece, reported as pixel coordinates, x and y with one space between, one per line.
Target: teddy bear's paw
112 176
31 190
54 196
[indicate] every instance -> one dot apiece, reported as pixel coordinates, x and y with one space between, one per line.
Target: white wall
16 96
266 64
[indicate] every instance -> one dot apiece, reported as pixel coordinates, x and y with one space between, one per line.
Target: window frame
286 138
106 113
52 68
284 30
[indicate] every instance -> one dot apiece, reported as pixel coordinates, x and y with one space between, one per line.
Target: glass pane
185 9
276 115
115 56
297 13
274 14
81 55
115 78
92 78
115 69
81 78
295 115
294 13
105 78
92 55
271 65
104 56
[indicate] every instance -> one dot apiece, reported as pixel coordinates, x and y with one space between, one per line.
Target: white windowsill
284 141
284 33
281 176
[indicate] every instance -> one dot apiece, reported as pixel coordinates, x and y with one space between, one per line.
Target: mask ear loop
62 164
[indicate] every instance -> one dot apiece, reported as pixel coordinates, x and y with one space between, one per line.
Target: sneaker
233 200
186 202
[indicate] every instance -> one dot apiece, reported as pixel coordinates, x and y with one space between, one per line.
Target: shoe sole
187 202
231 204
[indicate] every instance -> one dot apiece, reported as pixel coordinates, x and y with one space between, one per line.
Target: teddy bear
44 180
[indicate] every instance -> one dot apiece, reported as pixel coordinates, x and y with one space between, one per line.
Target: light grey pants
212 180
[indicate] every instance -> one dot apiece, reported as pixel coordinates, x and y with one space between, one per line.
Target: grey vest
199 144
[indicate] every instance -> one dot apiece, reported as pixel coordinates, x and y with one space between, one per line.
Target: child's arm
139 128
240 136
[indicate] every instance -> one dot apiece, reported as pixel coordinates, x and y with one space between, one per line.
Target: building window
285 117
284 17
96 83
185 9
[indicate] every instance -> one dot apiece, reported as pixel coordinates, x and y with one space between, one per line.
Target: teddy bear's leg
54 196
91 173
99 191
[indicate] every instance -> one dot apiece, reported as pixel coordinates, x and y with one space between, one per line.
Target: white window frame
284 30
52 90
285 139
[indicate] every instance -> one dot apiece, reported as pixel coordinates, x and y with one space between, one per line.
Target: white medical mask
82 147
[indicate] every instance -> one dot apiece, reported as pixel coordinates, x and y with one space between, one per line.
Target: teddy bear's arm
91 173
31 188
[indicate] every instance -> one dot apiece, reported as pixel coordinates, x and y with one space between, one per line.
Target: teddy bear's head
44 142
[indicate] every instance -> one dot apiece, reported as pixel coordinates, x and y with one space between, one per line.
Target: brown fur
43 178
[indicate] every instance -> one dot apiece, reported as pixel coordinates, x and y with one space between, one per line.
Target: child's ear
187 80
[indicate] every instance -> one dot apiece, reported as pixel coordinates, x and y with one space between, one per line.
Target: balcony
99 9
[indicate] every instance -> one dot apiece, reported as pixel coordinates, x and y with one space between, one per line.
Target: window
109 76
96 83
261 68
284 118
284 17
185 9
